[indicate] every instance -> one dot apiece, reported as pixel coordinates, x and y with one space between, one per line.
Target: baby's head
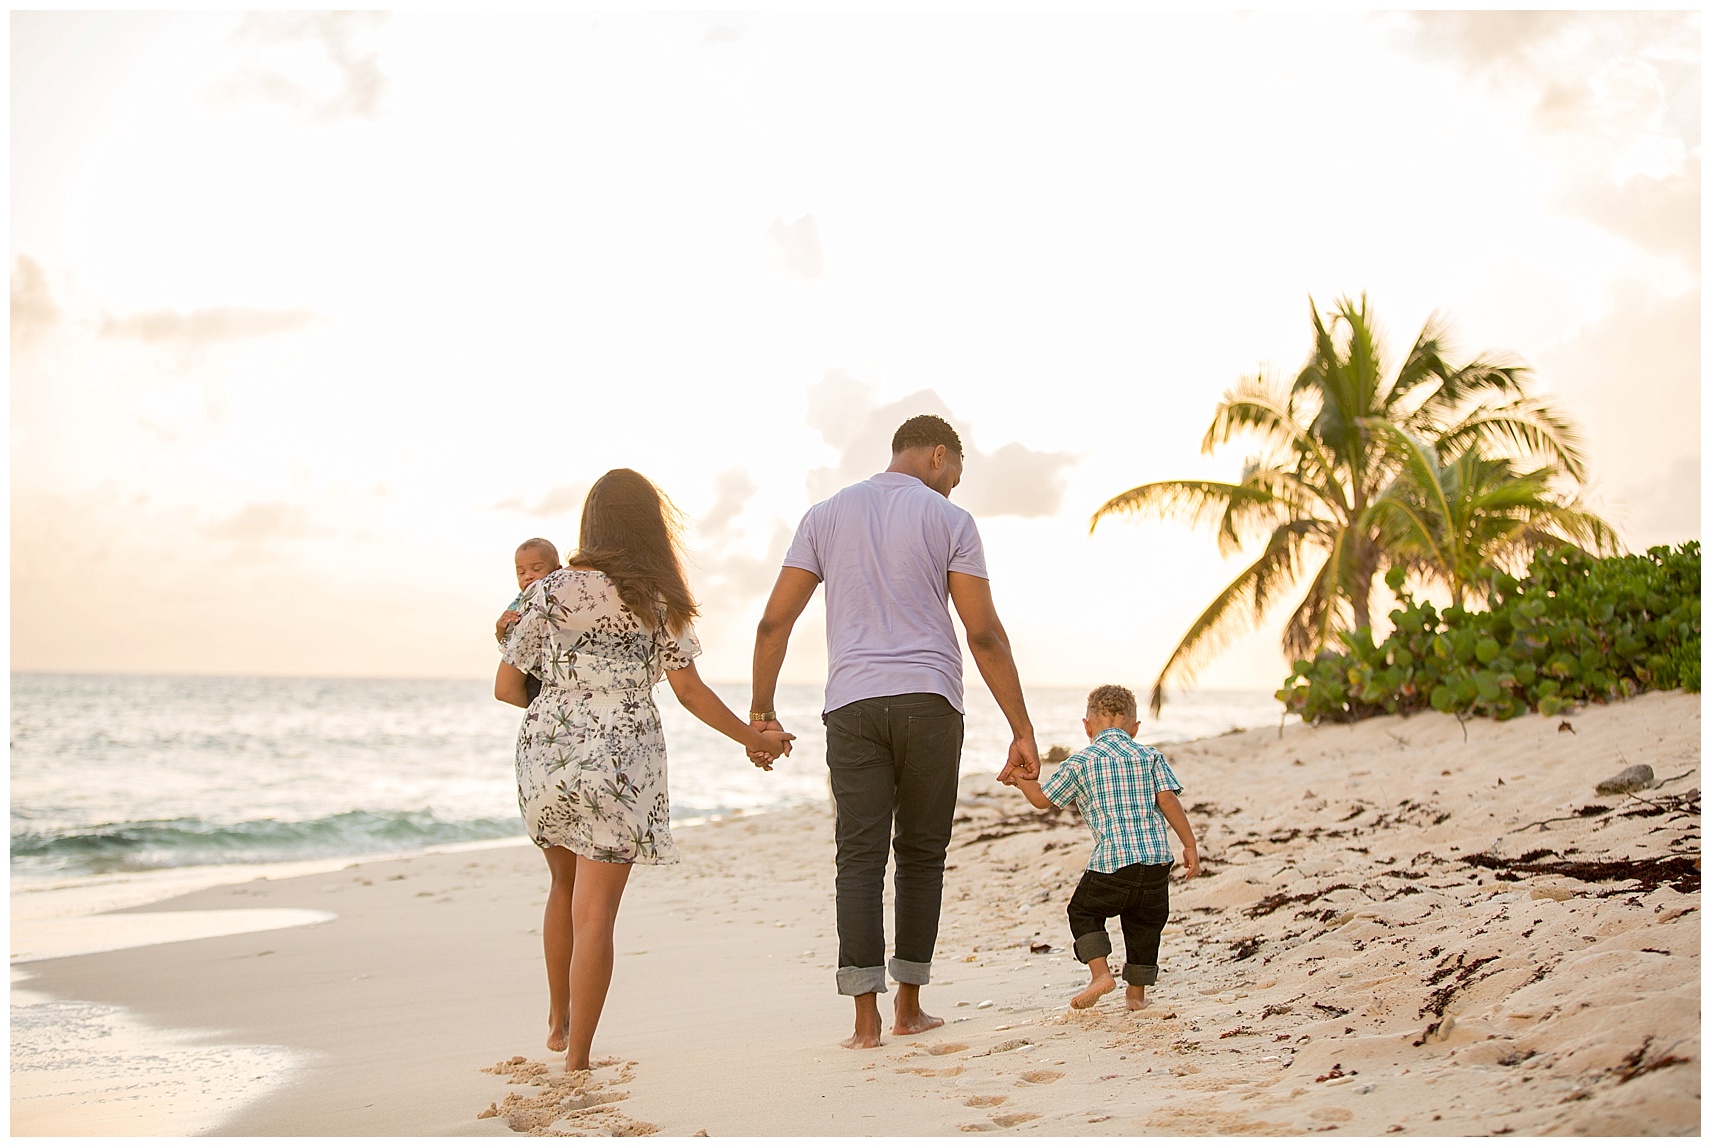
536 558
1110 707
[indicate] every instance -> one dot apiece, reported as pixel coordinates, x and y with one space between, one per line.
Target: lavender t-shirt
884 548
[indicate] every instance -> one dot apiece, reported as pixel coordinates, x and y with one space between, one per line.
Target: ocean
125 774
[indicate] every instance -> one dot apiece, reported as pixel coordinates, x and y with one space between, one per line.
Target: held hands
775 740
506 620
1023 761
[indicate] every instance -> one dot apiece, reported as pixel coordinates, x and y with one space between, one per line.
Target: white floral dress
591 754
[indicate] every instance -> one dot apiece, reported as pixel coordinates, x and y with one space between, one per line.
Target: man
891 550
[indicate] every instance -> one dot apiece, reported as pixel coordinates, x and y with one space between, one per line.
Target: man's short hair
1111 701
927 430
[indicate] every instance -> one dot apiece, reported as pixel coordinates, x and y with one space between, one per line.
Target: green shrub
1574 629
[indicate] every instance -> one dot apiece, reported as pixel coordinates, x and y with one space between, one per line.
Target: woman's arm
695 695
511 686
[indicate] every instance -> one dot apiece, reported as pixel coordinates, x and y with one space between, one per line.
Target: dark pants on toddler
1138 894
893 762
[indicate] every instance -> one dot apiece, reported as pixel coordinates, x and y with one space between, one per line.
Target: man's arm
1178 820
990 646
789 598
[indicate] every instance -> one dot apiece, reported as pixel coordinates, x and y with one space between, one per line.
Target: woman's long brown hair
630 532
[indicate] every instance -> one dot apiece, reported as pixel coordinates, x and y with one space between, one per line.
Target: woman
590 755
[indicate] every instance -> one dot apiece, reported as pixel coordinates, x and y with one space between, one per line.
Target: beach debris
1565 727
984 1004
1437 1031
1246 947
1039 946
1630 780
1636 1063
1000 1048
1679 870
1055 755
1331 1009
1336 1072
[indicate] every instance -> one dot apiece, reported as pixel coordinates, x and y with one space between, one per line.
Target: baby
536 558
1126 794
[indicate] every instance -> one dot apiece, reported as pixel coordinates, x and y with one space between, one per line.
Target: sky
316 316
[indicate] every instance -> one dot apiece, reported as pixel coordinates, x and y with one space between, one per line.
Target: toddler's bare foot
1090 995
1135 997
558 1035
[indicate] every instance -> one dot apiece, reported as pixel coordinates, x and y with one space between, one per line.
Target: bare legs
582 908
908 1018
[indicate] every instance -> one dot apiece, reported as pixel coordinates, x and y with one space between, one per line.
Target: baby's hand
506 620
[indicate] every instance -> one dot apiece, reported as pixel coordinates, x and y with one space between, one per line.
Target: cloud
1623 84
797 246
557 502
1012 480
312 62
1660 214
33 311
1664 509
204 327
261 522
731 492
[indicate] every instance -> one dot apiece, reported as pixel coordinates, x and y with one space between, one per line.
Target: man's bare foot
558 1035
866 1023
1135 997
1090 995
910 1019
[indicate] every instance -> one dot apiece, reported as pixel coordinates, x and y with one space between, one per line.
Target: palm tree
1331 462
1456 521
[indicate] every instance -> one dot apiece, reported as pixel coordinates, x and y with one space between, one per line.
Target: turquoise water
124 773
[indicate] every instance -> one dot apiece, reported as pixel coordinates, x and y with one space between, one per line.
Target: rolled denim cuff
861 981
1092 946
909 972
1142 975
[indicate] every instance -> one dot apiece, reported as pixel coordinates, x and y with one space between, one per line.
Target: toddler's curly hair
1111 701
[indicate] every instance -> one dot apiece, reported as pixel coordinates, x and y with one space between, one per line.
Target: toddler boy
1126 794
536 558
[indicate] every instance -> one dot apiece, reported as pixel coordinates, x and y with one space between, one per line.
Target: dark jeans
893 762
1139 894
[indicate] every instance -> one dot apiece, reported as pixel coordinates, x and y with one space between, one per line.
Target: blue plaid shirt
1115 783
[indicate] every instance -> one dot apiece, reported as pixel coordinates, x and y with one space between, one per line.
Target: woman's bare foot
866 1023
910 1019
558 1035
1090 995
1135 997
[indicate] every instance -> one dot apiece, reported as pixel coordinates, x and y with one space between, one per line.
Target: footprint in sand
936 1072
984 1100
1014 1118
1041 1076
946 1048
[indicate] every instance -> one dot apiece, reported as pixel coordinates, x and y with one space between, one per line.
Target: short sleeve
1163 778
677 652
968 556
521 648
801 553
1064 785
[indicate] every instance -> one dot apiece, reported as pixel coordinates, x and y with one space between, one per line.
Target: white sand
1287 1004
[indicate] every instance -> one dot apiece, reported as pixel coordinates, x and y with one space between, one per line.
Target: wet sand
1407 927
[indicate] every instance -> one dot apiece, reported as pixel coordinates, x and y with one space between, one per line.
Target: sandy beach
1407 926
